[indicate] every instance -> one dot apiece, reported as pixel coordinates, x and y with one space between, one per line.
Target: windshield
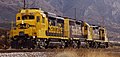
25 17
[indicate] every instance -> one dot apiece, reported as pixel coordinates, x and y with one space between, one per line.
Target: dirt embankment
89 53
69 52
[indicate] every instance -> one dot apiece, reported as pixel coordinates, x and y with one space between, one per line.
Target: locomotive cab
28 23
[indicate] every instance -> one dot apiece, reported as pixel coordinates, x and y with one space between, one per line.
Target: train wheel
62 44
14 44
42 44
96 45
30 44
87 45
105 45
76 44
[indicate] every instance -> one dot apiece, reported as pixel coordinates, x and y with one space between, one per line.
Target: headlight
34 37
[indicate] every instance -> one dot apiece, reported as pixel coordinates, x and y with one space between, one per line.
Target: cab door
41 25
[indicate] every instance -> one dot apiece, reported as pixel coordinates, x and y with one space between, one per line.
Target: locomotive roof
49 14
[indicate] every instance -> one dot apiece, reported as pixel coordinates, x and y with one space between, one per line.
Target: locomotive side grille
23 26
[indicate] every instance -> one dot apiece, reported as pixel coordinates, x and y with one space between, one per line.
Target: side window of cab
43 20
38 18
18 18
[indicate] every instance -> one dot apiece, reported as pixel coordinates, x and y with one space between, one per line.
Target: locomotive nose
23 26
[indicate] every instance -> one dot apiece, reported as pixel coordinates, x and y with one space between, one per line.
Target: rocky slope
8 8
99 12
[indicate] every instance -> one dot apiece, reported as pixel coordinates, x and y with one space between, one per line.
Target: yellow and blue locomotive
96 36
36 28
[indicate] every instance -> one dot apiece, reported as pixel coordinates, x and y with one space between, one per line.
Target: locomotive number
53 29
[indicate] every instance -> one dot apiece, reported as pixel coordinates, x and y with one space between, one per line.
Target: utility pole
75 14
102 21
24 4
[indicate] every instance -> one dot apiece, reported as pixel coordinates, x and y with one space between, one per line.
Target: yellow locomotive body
73 30
35 24
95 35
36 28
86 31
25 23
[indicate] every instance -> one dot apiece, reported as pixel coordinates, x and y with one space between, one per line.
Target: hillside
99 12
8 8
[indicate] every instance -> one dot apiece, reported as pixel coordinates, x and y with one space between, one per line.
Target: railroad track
57 50
29 50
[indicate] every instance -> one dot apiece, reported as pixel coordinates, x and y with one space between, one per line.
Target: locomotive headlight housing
22 22
33 37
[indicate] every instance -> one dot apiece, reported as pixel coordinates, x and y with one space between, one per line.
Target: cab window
43 20
31 17
18 18
38 18
86 27
24 17
27 17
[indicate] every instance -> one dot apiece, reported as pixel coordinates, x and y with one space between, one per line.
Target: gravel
26 54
